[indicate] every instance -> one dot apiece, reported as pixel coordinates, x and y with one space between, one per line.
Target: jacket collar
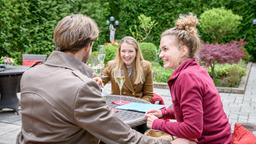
184 65
61 59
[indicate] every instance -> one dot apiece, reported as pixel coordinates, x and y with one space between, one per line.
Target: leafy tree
141 32
219 22
211 54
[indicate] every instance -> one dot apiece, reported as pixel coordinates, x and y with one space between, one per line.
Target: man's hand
99 81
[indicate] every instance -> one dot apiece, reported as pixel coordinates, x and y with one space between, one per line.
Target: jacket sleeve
168 113
92 114
148 85
191 106
106 74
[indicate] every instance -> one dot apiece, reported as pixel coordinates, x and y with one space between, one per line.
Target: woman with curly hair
197 105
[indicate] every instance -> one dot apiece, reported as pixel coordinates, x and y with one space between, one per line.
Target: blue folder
140 107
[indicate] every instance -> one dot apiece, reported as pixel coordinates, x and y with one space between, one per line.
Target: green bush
110 50
1 60
247 57
27 26
160 74
229 75
149 51
219 22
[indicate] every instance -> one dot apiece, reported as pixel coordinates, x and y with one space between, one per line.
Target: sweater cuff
164 111
157 124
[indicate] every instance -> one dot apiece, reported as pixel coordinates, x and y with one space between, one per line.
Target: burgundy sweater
197 107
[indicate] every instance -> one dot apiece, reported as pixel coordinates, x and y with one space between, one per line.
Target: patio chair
32 59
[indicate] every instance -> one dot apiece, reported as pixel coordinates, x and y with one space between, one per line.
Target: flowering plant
212 54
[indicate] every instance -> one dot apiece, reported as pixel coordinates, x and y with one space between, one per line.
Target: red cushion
29 62
242 135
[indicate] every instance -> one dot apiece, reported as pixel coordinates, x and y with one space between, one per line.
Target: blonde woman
138 73
197 105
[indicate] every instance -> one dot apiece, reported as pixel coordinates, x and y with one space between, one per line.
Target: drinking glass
96 66
101 57
101 53
119 78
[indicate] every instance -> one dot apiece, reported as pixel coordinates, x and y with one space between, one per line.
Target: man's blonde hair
74 32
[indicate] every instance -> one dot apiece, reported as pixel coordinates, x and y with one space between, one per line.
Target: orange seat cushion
29 62
242 135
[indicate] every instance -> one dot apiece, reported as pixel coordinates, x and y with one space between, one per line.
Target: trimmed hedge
218 23
149 51
27 25
110 50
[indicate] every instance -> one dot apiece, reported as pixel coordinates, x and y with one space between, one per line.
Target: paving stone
9 137
9 117
243 118
5 128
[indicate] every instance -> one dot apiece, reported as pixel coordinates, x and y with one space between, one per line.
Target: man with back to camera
61 103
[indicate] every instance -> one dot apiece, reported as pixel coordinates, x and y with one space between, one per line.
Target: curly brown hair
186 32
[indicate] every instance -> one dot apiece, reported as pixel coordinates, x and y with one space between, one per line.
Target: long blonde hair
186 33
138 69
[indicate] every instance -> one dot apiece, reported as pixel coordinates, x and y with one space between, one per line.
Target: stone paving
238 107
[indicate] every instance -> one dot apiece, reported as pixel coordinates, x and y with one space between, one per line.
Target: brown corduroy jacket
141 90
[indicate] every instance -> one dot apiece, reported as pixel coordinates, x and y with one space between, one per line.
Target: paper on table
140 107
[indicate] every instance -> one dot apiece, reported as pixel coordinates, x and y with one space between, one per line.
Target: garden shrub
160 74
219 22
211 54
149 51
229 75
247 57
233 78
110 50
27 26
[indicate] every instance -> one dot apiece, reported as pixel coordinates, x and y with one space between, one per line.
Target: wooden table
131 118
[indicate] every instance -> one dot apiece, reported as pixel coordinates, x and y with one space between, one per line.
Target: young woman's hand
182 141
157 113
150 119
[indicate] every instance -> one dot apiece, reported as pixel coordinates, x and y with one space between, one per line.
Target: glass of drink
101 57
101 54
119 78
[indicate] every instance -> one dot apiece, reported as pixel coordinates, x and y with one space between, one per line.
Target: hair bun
187 22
